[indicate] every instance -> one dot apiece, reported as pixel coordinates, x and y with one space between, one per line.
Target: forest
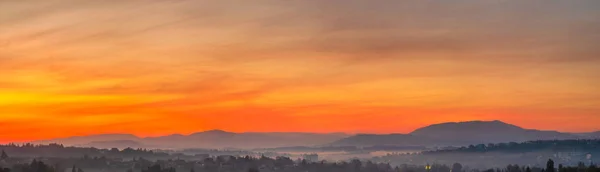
589 145
530 153
259 164
532 156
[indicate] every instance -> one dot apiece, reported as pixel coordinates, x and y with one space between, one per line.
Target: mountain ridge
441 134
204 139
458 133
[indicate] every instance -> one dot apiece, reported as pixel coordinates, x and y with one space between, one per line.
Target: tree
37 166
457 167
253 170
550 166
74 169
356 164
513 168
3 156
114 150
158 168
593 167
154 168
560 168
528 169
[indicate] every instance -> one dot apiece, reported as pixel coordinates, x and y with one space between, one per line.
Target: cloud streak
163 67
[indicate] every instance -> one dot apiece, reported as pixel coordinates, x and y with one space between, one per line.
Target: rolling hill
456 134
206 139
82 140
475 132
120 144
387 139
444 134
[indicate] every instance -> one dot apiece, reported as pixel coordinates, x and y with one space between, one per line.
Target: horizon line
299 132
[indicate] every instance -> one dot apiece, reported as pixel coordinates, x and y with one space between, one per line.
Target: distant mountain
81 140
387 139
223 139
444 134
120 144
475 132
591 135
457 134
206 139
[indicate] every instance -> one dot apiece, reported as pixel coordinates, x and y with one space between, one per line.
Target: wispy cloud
302 63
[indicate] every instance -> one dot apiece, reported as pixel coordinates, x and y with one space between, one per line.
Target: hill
223 139
475 132
206 139
387 139
444 134
580 145
591 135
457 133
81 140
120 144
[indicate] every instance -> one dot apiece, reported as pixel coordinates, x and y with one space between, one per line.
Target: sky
151 68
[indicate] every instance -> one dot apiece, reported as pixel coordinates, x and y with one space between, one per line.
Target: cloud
296 61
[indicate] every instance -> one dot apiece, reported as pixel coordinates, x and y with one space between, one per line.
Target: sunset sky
74 67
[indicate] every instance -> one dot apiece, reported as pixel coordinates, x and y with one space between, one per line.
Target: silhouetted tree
253 170
489 170
513 168
3 156
154 168
560 168
157 168
550 166
457 167
35 166
593 168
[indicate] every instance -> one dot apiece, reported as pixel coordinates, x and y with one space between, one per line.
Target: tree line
589 145
265 164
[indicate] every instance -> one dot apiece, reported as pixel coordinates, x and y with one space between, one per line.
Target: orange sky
70 67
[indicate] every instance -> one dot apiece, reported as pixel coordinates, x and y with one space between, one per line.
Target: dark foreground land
533 156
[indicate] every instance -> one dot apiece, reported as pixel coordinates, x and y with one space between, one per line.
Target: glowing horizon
72 67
